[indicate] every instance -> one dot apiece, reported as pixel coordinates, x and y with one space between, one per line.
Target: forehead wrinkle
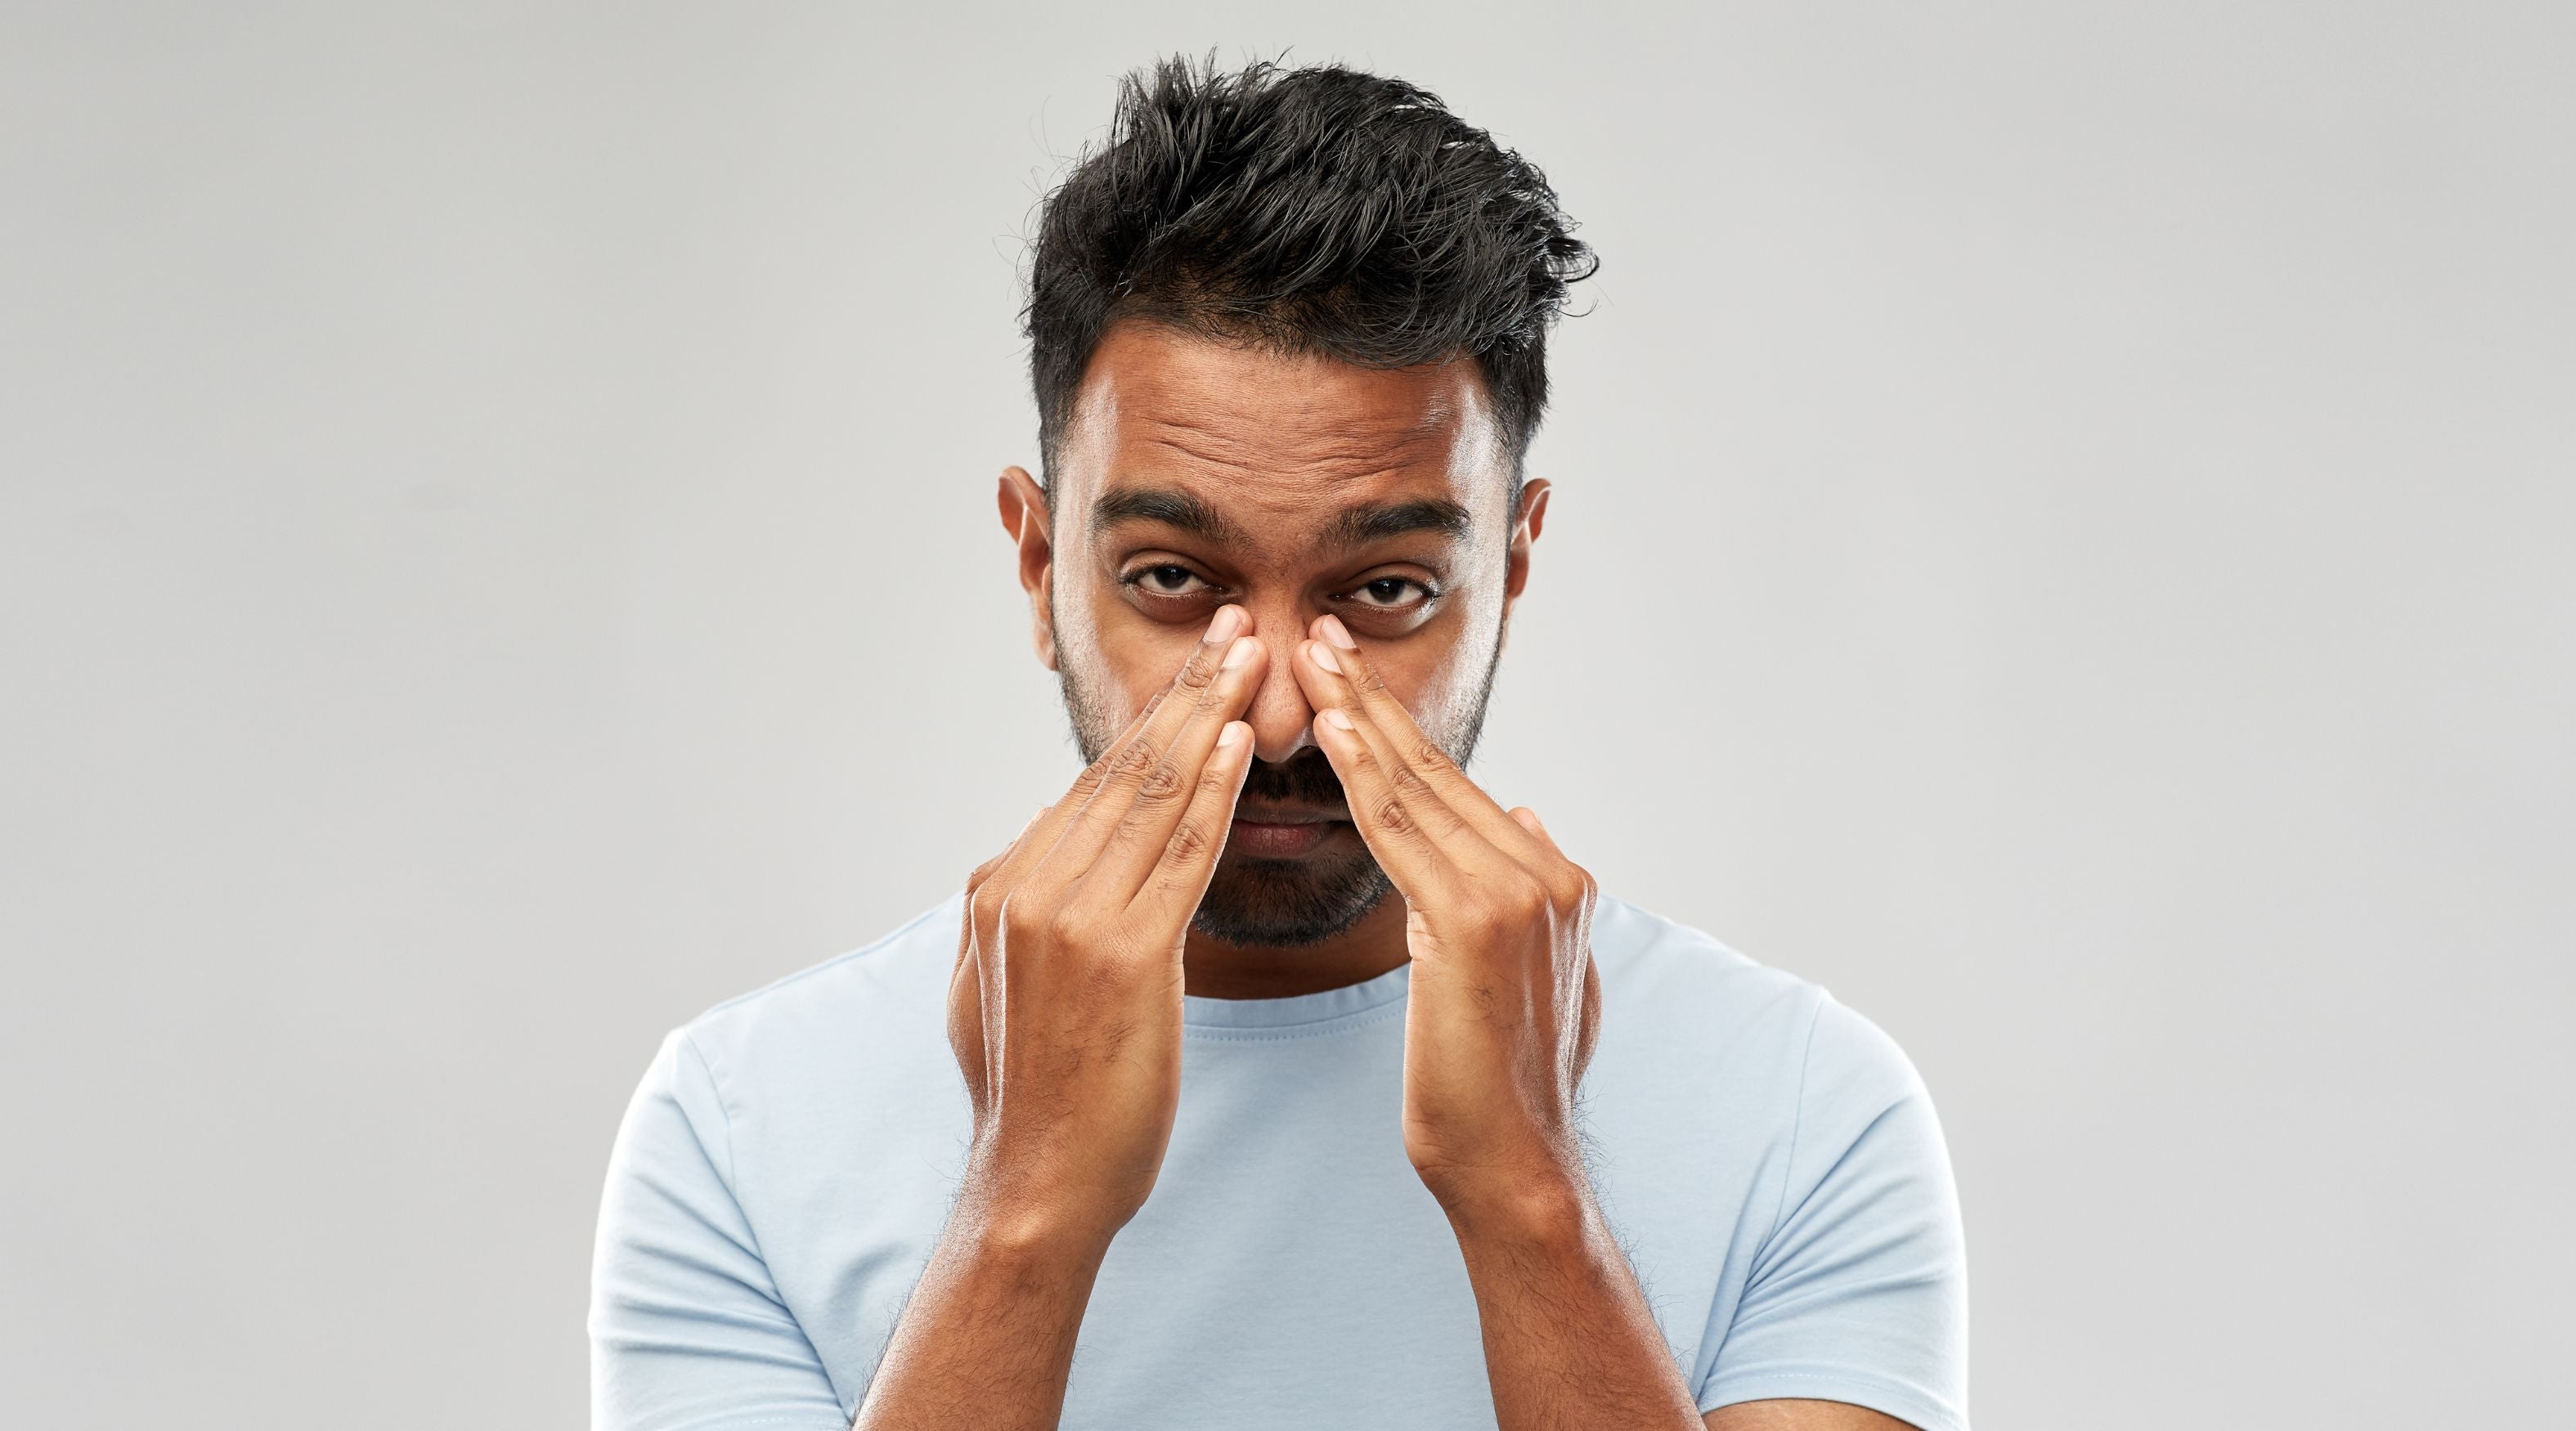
1348 449
1291 451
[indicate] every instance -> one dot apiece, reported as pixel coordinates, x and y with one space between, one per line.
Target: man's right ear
1024 516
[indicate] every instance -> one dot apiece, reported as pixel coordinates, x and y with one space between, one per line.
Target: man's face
1196 474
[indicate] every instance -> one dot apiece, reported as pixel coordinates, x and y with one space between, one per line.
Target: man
1272 1028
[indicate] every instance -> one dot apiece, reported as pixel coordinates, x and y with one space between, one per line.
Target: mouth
1281 833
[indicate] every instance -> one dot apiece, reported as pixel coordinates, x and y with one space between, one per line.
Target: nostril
1281 752
1280 727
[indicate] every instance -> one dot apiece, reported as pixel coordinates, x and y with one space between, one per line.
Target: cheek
1438 687
1121 657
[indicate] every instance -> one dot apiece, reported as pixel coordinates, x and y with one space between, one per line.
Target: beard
1286 903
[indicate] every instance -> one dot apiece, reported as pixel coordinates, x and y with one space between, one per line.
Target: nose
1282 722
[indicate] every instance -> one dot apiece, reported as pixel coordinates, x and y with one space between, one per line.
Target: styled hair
1318 210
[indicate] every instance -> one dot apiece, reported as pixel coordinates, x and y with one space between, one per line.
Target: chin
1283 904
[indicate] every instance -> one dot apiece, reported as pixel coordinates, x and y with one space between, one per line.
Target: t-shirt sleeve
1860 1292
687 1329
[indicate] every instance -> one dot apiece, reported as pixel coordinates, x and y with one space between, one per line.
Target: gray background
2061 536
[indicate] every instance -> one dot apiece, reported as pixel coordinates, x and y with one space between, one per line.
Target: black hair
1316 210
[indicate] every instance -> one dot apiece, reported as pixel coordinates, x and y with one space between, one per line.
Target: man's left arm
1569 1341
1503 1013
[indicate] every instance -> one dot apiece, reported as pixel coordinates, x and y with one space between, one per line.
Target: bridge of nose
1282 721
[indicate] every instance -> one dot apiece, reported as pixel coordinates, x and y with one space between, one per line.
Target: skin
1078 940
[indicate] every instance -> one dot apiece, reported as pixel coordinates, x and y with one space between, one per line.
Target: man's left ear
1526 525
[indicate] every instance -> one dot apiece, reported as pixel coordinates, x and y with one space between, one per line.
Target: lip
1286 815
1286 835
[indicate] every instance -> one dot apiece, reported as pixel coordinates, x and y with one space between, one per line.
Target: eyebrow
1358 526
1354 526
1171 508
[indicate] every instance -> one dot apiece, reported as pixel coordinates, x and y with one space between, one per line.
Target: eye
1165 580
1389 593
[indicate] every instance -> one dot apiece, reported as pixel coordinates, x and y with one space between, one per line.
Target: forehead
1278 443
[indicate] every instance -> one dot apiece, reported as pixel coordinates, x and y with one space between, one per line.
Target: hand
1065 1006
1505 1000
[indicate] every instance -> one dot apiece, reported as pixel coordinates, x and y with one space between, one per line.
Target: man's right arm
986 1339
1065 1014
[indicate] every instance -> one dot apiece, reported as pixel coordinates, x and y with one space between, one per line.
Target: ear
1526 526
1024 516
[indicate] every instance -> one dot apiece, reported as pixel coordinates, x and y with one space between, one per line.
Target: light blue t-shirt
1769 1160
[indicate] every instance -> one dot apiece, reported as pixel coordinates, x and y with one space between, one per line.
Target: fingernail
1233 735
1323 655
1336 717
1241 651
1222 626
1334 633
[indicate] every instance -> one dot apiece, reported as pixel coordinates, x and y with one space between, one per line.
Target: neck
1373 946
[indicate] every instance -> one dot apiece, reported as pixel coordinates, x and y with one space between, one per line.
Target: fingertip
1230 621
1235 733
1528 819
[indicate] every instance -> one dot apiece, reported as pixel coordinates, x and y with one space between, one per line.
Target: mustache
1305 778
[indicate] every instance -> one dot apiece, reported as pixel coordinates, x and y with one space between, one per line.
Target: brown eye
1165 580
1388 592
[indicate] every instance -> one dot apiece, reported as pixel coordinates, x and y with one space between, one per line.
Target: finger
966 1028
1162 762
965 978
1569 885
1161 802
1179 878
1052 822
1590 1037
1406 849
1527 819
1481 839
984 872
1347 678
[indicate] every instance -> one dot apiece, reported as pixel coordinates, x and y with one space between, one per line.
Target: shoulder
1696 1005
880 1007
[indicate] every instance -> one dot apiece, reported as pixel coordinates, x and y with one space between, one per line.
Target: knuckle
1198 673
1392 815
1021 919
1569 889
1189 841
1426 752
1135 757
1064 925
1162 782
